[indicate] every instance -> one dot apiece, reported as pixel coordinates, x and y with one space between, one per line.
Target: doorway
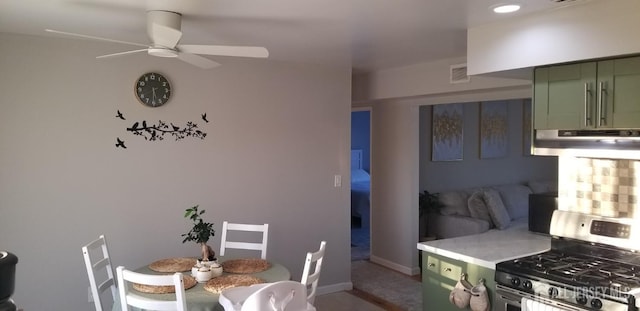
360 184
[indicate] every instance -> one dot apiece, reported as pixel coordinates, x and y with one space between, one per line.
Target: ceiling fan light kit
164 31
162 52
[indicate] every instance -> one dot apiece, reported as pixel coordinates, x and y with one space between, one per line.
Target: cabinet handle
447 270
587 113
601 104
431 264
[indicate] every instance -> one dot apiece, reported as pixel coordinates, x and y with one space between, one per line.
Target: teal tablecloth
198 299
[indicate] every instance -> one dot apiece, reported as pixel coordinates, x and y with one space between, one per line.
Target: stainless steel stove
593 264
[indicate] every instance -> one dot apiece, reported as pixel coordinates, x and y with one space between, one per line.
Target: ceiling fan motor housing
164 18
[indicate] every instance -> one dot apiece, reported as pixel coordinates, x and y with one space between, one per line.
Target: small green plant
200 232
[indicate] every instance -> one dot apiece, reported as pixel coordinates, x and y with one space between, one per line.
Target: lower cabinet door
439 276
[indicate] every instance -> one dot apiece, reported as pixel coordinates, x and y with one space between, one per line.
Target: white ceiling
368 34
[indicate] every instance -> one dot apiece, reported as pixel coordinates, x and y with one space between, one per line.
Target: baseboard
394 266
334 288
416 271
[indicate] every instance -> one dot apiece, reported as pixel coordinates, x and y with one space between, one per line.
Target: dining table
199 299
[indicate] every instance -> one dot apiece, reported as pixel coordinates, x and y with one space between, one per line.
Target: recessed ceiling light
506 8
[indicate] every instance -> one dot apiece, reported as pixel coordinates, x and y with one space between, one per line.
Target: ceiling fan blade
225 50
165 36
196 60
93 37
121 53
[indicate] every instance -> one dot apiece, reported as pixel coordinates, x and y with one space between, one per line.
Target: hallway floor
360 243
344 301
374 287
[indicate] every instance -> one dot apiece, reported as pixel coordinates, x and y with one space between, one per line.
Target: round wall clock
153 89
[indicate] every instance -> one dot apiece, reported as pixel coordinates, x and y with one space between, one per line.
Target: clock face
153 89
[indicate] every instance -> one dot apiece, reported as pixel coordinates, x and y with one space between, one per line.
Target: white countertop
489 248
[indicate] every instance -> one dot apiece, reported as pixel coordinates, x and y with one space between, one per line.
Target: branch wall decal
158 131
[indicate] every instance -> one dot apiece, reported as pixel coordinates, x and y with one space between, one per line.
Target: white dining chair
310 280
100 272
278 296
130 298
227 243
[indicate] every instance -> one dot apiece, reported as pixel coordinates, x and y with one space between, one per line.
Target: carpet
394 287
360 242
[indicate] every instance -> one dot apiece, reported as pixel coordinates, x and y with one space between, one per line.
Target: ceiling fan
163 28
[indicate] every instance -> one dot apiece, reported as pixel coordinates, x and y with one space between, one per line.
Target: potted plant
200 232
427 203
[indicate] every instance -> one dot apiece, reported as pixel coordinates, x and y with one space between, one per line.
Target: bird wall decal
204 117
119 115
120 143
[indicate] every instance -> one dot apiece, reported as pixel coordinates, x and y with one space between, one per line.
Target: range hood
619 139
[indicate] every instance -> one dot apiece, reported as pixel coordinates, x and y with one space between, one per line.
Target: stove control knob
527 284
553 292
581 299
596 303
515 282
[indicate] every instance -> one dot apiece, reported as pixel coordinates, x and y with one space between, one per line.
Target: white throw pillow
359 176
499 215
477 207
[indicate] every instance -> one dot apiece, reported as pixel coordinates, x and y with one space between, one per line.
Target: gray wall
473 171
278 134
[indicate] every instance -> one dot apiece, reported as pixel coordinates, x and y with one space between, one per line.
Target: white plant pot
216 271
203 276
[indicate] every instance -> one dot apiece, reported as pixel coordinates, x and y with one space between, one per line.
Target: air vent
458 73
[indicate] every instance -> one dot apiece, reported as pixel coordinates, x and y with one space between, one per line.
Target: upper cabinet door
564 96
592 95
618 102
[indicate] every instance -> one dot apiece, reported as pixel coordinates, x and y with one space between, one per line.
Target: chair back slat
278 296
261 246
129 298
310 280
98 263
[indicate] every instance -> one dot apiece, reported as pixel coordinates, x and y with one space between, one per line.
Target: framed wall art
493 129
447 126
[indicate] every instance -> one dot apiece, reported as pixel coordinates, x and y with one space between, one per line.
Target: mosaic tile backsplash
606 187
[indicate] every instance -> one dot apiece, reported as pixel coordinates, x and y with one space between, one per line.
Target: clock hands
153 96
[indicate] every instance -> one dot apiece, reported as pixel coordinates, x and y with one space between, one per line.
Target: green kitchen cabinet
439 276
590 95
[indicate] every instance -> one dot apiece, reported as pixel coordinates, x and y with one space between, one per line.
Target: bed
360 191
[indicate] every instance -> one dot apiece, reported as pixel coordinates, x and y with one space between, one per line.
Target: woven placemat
171 265
188 281
220 283
245 265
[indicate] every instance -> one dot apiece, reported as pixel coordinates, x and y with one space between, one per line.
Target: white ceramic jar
203 274
216 269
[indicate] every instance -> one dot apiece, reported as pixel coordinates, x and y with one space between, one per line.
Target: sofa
479 209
